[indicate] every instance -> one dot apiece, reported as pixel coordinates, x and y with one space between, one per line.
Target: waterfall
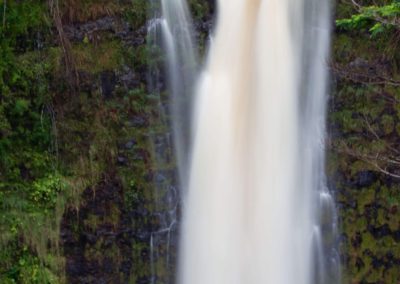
315 49
171 69
258 209
171 29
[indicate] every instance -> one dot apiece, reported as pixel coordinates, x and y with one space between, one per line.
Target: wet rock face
361 122
108 81
126 228
97 239
105 28
363 135
365 178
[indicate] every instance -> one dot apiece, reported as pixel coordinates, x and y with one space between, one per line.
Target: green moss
136 15
74 11
366 115
387 122
96 58
91 222
199 9
142 269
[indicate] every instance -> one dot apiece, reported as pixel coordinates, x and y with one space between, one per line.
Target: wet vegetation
363 161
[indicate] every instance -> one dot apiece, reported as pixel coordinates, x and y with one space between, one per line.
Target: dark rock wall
125 228
364 126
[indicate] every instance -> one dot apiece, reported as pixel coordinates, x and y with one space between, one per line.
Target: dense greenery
30 182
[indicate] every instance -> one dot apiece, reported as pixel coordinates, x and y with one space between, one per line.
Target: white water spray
252 212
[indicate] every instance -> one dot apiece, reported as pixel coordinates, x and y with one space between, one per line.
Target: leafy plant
375 19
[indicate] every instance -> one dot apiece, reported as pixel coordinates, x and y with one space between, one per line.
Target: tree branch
363 78
371 160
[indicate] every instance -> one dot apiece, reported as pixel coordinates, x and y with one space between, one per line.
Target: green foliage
375 19
199 9
18 19
30 183
47 189
137 14
27 269
94 59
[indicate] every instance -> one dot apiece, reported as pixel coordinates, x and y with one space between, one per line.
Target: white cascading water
172 24
171 69
316 41
257 189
